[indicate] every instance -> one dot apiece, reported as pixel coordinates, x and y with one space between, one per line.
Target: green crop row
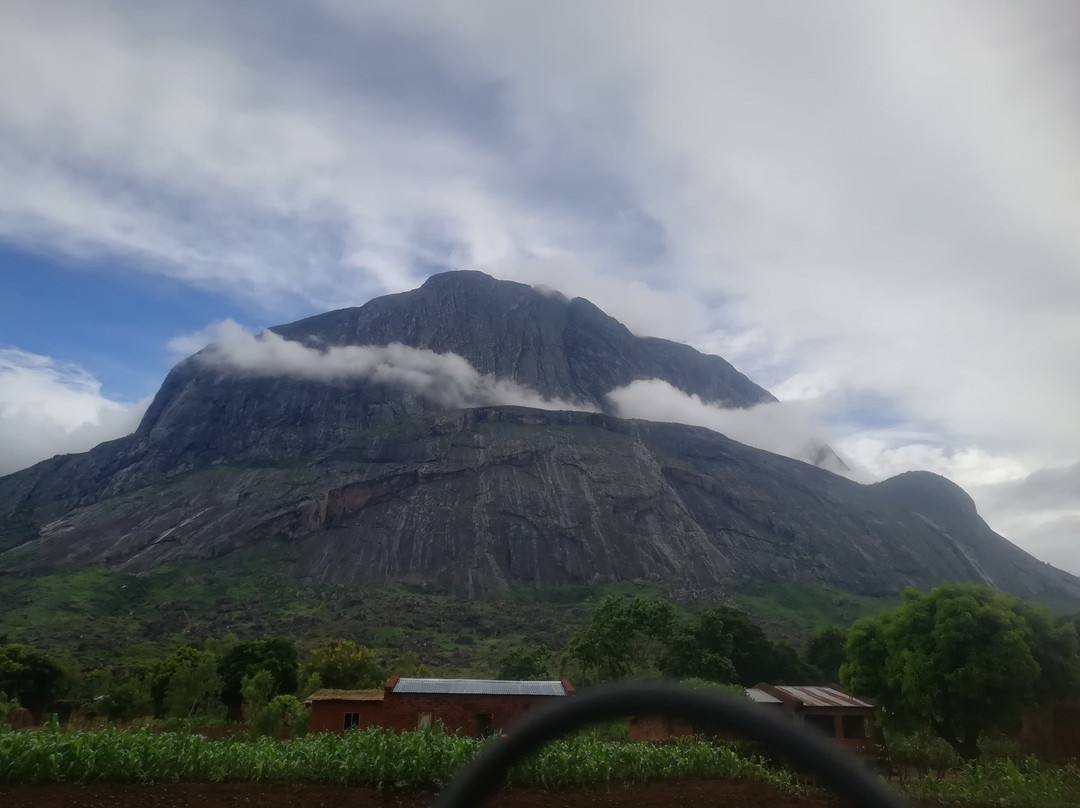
427 760
371 757
1028 783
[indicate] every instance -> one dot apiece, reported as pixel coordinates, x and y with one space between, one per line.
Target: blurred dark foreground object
836 769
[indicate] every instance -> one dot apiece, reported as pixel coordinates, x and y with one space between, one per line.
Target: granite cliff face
372 483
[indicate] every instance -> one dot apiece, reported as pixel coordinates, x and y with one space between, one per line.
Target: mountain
359 440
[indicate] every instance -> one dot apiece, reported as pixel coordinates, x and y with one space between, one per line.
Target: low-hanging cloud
49 407
775 427
447 379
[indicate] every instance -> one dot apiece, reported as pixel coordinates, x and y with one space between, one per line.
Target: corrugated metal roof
761 697
327 694
487 687
822 696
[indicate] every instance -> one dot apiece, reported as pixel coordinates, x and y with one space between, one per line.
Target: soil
662 794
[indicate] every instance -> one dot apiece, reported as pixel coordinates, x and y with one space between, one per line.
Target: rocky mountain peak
460 435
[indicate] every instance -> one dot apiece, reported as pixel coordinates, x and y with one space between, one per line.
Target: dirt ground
665 794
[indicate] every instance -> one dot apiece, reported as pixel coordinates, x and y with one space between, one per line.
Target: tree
115 693
960 660
824 652
787 667
408 663
344 665
256 692
277 657
30 676
525 664
701 650
289 713
757 658
184 683
624 636
257 689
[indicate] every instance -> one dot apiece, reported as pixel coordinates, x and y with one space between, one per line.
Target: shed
848 720
844 718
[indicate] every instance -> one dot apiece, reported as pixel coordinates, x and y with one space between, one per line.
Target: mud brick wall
403 711
329 716
657 728
1052 732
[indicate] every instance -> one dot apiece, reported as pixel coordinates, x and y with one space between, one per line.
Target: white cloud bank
776 427
447 379
50 407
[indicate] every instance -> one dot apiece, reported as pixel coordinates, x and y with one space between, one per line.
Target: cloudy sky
872 209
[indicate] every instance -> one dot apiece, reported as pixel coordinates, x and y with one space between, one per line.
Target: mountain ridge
376 482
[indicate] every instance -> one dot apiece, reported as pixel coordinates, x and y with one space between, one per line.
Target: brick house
475 706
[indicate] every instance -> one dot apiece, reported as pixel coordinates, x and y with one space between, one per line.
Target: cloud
1041 510
52 407
835 196
184 345
205 156
447 379
775 427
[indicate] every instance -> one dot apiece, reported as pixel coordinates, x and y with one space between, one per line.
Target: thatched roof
327 694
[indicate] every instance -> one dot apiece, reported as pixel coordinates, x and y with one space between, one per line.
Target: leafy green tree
30 676
185 683
257 689
342 664
277 657
116 694
757 658
309 683
7 706
786 666
700 650
525 664
824 653
288 713
408 663
960 660
624 636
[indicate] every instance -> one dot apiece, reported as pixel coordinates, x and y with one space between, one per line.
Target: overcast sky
872 209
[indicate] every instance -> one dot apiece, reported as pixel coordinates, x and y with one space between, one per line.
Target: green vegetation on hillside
92 616
799 608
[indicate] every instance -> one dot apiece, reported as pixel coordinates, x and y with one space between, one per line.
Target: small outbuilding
340 710
847 720
477 707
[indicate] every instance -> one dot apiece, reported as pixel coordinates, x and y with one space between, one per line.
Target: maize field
371 757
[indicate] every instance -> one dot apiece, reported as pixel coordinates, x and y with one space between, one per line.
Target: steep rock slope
204 416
